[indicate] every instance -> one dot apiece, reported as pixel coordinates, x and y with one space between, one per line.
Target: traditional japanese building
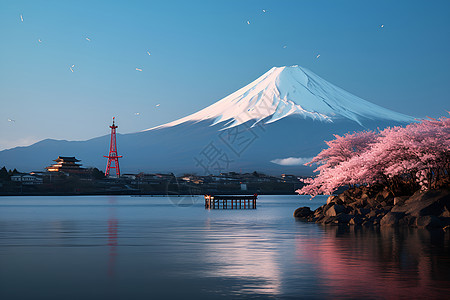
67 165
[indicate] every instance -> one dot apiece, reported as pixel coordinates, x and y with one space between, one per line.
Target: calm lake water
122 247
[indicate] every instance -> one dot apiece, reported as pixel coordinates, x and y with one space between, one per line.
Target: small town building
27 179
289 177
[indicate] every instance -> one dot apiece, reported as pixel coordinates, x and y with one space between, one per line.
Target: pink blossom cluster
417 154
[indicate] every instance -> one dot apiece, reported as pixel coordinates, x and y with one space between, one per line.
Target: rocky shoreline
364 206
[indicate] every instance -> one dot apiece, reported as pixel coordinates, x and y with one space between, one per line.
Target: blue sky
201 51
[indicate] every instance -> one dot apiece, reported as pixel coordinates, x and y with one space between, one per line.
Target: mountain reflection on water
120 247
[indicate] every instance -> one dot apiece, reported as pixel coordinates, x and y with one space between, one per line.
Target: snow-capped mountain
286 91
274 124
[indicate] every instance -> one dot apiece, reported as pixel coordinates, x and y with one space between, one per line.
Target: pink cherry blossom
417 155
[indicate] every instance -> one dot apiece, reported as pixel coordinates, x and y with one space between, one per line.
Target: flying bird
39 40
284 47
137 69
382 25
21 18
318 55
71 70
88 39
264 10
11 120
137 114
248 22
157 105
148 53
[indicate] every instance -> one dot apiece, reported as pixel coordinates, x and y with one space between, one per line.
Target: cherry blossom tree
417 154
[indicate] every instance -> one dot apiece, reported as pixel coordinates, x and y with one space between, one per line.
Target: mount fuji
274 124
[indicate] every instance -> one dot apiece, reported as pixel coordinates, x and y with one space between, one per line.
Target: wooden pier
230 202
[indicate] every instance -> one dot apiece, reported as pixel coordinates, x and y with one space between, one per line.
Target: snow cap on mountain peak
285 91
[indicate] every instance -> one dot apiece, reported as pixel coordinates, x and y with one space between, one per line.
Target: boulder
302 212
327 220
425 203
320 219
386 194
407 221
376 221
379 198
356 220
331 199
351 210
387 208
372 213
347 198
342 219
362 202
363 211
445 213
367 224
391 219
369 206
445 221
428 222
400 200
364 196
318 213
372 202
334 210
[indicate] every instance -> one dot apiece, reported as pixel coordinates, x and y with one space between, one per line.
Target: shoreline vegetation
397 176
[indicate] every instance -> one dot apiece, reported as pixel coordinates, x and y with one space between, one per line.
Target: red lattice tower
113 158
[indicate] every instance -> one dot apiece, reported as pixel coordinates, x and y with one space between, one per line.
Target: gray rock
302 212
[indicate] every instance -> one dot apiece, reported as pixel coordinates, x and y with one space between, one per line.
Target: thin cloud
291 161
